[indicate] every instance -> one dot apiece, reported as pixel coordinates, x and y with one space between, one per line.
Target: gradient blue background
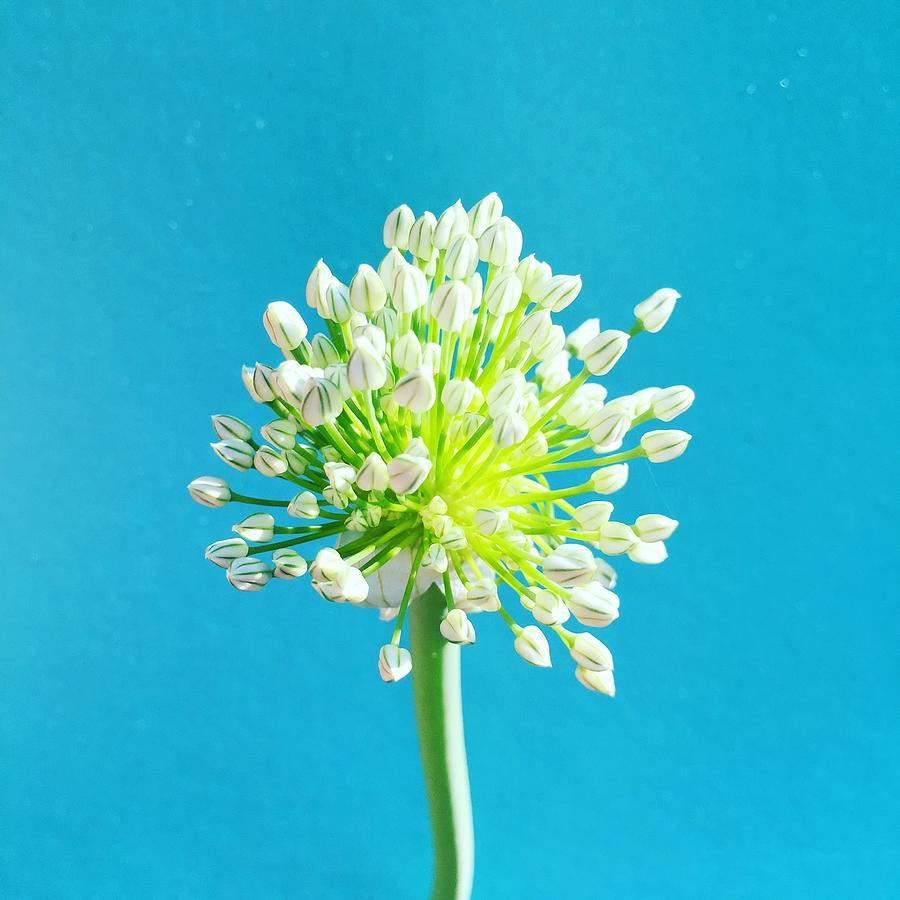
166 171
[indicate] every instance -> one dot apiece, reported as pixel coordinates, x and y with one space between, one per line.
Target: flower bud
223 553
349 587
500 244
661 446
372 474
321 402
366 370
281 432
654 312
607 428
532 646
484 213
533 275
290 380
328 565
490 521
435 558
456 628
616 538
257 527
453 222
558 292
506 392
458 395
230 427
208 490
367 291
269 462
591 653
407 473
407 352
249 574
288 563
601 353
322 352
461 259
336 305
654 527
509 429
296 463
421 236
583 405
317 285
451 305
503 294
340 476
415 391
549 609
480 596
554 373
397 226
606 574
388 266
410 289
552 345
394 662
648 553
591 516
237 454
610 479
593 605
304 506
258 381
671 402
534 329
569 565
599 682
586 331
284 325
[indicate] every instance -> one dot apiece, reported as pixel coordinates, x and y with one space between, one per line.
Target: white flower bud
503 294
553 372
661 446
288 563
569 565
208 490
317 285
249 574
533 275
671 402
336 305
534 329
456 628
407 473
410 289
321 402
269 462
591 516
484 213
610 479
532 646
290 380
616 538
654 527
230 427
435 558
257 381
585 332
304 506
509 429
397 226
500 244
453 222
552 346
340 476
608 426
281 432
340 499
648 553
558 292
481 596
643 399
350 586
591 653
549 609
461 259
458 395
407 352
328 565
421 236
367 291
223 553
451 305
606 574
593 605
599 682
337 375
583 405
654 312
366 370
418 447
322 352
257 527
237 454
506 391
284 325
601 353
372 474
490 521
394 663
415 391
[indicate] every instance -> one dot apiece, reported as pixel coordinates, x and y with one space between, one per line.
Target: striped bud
415 391
284 325
397 226
366 370
451 305
509 429
591 653
462 257
661 446
500 244
671 402
457 629
421 236
599 682
281 432
490 521
317 285
304 506
394 663
616 538
249 574
570 565
533 274
607 428
601 353
591 516
321 402
257 527
269 462
532 646
407 473
322 352
336 306
558 292
593 605
453 222
409 290
503 294
223 553
367 291
484 213
208 490
230 427
586 331
288 563
610 479
654 312
237 454
549 609
654 527
260 382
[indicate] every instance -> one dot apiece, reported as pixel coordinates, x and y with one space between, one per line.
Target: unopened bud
456 628
461 259
533 274
591 653
610 479
366 370
367 290
304 506
500 244
532 646
569 565
269 462
249 574
593 605
458 395
230 427
616 538
281 432
601 353
288 563
549 609
257 527
509 429
284 325
397 226
607 428
591 516
654 527
237 454
671 402
534 329
503 294
655 311
421 236
490 521
258 380
336 305
453 222
661 446
208 490
394 662
484 213
415 391
648 553
451 305
599 682
409 290
372 474
317 285
321 402
223 553
558 292
407 473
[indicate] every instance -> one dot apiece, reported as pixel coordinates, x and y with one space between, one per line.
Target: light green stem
438 699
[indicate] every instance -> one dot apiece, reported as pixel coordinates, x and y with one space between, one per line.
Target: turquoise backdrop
169 168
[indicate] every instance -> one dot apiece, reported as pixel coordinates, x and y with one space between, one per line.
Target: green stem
438 699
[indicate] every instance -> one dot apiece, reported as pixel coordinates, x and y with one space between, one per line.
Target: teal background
167 169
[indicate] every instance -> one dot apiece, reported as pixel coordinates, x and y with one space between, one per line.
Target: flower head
418 430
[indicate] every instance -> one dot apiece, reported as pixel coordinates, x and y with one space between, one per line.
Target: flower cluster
419 429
